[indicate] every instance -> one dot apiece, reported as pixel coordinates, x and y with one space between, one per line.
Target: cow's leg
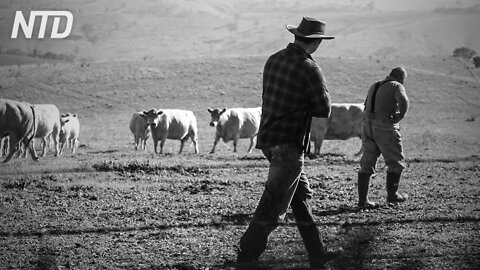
56 140
162 143
49 141
144 144
74 143
318 146
44 144
31 147
13 147
235 142
2 147
318 142
217 138
193 136
195 143
155 146
251 145
18 152
182 142
137 141
6 146
62 145
23 149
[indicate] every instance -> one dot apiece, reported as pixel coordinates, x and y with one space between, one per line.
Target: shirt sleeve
318 94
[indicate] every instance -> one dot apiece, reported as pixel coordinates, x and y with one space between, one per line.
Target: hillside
444 96
186 29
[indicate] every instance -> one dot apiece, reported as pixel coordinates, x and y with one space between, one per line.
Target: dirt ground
111 207
144 215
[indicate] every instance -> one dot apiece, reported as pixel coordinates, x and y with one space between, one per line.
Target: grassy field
111 207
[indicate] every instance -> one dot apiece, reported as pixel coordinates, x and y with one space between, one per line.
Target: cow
140 129
18 121
234 124
69 131
47 128
171 124
345 122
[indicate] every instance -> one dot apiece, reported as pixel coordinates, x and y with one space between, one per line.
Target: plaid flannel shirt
294 90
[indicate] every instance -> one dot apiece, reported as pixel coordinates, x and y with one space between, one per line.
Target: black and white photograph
240 134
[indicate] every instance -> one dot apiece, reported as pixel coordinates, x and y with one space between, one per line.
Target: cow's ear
209 110
224 110
159 112
63 115
143 114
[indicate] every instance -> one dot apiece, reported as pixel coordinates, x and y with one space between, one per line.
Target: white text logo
27 28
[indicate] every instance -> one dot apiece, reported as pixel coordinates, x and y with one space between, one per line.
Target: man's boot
363 184
393 178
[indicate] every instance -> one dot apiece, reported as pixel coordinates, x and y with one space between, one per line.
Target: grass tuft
145 167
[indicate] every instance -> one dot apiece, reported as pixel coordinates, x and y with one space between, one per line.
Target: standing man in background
385 106
294 90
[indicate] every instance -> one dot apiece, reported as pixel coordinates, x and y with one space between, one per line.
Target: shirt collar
299 50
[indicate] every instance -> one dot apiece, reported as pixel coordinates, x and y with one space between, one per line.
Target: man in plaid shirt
294 90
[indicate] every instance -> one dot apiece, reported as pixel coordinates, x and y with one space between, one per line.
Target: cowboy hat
309 28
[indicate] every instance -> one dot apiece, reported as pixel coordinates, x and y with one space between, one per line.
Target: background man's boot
363 184
393 178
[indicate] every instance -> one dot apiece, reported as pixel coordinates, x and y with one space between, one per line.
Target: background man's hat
309 28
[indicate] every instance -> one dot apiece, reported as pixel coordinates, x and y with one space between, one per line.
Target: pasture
111 207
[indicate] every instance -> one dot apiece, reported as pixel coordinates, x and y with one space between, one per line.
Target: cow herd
21 123
232 124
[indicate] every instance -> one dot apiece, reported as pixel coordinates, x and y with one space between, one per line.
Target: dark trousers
287 185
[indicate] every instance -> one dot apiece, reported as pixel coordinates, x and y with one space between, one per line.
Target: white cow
345 122
18 122
47 126
172 124
234 124
69 131
140 129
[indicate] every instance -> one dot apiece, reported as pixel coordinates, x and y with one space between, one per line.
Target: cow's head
215 114
65 118
151 117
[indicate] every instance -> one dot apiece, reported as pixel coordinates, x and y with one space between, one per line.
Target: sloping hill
126 30
444 114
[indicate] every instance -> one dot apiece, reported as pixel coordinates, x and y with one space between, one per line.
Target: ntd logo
27 28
